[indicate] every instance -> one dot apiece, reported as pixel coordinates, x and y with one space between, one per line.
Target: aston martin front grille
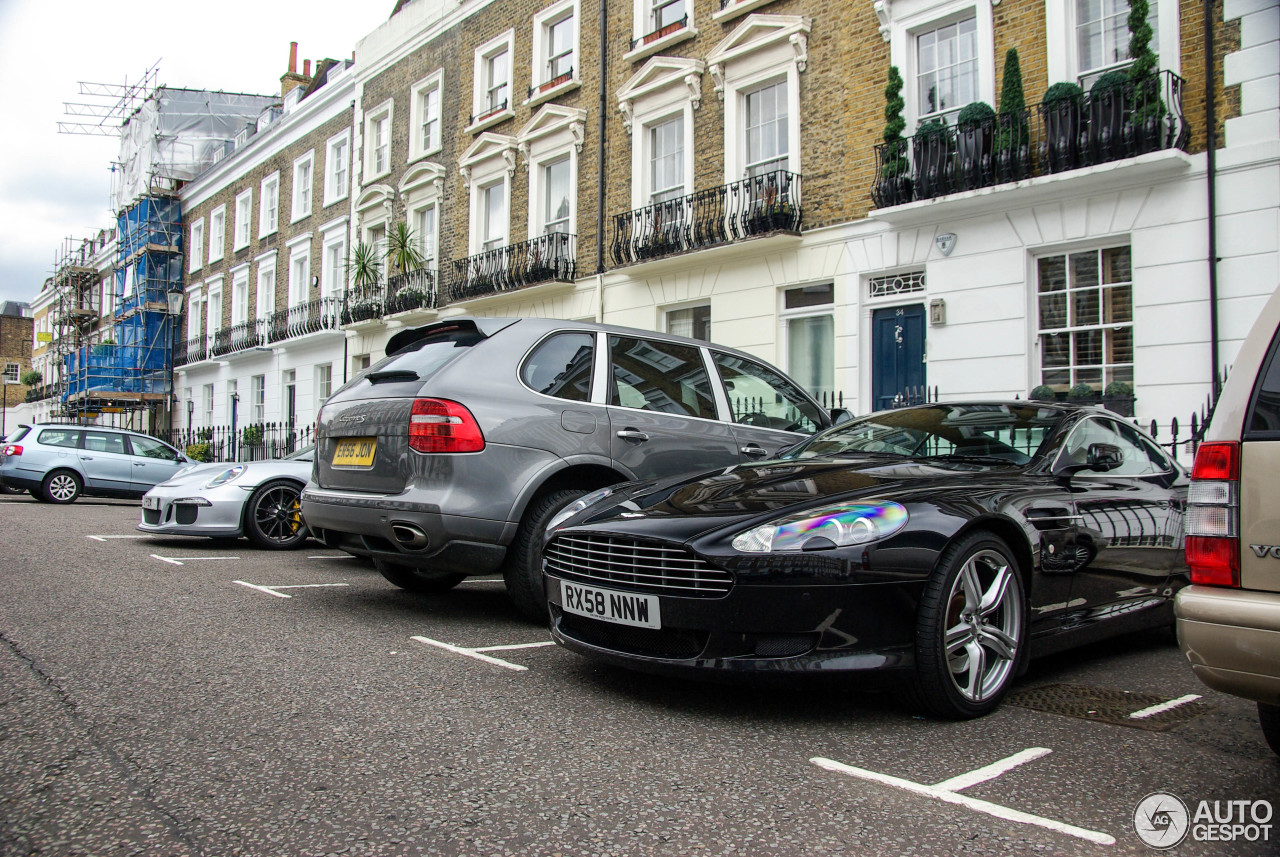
627 563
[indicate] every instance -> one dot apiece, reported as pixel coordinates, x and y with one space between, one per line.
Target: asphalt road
155 708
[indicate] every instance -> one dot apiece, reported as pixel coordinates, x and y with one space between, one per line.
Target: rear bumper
11 479
1231 637
364 525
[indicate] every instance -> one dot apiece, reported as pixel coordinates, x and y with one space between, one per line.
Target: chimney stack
293 58
306 68
291 80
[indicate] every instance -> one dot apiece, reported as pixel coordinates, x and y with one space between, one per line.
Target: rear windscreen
425 356
1264 411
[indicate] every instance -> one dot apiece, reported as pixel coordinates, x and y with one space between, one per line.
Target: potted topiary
932 149
894 187
1082 393
1150 123
31 378
1013 139
1060 110
1042 393
974 126
1118 397
1109 98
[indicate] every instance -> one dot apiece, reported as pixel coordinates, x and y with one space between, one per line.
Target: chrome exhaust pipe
409 536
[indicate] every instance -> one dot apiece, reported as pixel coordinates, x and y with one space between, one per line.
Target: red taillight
11 449
439 425
1217 461
1213 515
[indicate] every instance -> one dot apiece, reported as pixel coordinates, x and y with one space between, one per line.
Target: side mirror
1104 456
840 416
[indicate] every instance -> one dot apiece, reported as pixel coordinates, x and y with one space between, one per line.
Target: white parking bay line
990 772
479 655
1153 710
993 809
271 590
332 556
103 538
187 559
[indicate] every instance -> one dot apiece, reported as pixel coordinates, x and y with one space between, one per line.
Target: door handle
86 458
754 449
139 464
632 434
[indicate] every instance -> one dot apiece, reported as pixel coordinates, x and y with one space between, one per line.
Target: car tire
61 487
522 570
273 517
973 608
1269 719
412 579
38 494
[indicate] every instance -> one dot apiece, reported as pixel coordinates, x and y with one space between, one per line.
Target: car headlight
228 475
183 472
578 505
842 525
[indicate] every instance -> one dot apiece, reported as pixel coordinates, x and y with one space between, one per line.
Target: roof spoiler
485 327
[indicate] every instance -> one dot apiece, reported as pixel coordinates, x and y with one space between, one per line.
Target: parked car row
677 507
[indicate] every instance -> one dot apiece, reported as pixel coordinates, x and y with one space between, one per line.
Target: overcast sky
54 186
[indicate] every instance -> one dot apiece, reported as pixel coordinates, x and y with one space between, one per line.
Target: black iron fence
310 317
1119 118
239 337
547 258
252 442
759 205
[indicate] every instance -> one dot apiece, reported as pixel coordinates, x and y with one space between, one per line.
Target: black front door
897 353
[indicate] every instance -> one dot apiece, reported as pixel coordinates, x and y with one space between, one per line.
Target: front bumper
183 511
363 524
1231 637
856 627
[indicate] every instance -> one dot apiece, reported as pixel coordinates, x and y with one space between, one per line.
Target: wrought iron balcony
1121 120
754 206
413 290
310 317
41 392
239 337
547 258
191 350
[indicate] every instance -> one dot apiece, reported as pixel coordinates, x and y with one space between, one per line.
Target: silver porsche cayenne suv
449 457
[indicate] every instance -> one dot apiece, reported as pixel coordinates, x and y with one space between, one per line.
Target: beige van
1229 618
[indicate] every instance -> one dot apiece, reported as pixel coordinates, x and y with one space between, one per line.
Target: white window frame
269 206
195 303
556 132
244 214
913 17
665 87
333 256
488 161
419 146
217 233
337 167
258 398
485 236
423 188
761 50
207 391
240 294
383 112
300 270
266 277
303 191
213 307
540 75
195 246
1063 50
324 382
482 116
786 316
644 24
429 244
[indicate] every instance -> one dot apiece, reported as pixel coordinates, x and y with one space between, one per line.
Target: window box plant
974 126
1013 138
1060 110
894 186
1108 108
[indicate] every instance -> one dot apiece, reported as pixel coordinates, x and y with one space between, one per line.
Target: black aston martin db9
949 542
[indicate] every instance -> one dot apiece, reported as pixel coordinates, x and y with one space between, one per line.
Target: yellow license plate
355 452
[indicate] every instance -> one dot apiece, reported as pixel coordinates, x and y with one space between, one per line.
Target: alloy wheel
63 488
279 514
984 624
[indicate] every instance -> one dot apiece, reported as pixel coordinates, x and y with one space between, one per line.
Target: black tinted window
759 396
425 356
1264 418
150 448
561 366
59 437
101 441
659 376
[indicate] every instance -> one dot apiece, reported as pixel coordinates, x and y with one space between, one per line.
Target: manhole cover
1107 706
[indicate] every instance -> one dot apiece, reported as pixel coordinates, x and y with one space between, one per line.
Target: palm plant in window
405 256
894 187
364 270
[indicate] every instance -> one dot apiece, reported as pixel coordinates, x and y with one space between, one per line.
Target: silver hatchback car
57 463
451 456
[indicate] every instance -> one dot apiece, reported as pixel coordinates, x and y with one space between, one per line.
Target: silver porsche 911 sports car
257 499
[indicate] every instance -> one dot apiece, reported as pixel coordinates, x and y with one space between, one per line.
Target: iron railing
564 77
310 317
413 290
250 442
1110 123
239 337
191 350
665 30
547 258
754 206
41 392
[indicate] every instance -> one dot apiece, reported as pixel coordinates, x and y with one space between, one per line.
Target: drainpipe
1211 122
604 103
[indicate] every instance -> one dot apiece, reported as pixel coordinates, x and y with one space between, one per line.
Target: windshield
307 453
999 433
